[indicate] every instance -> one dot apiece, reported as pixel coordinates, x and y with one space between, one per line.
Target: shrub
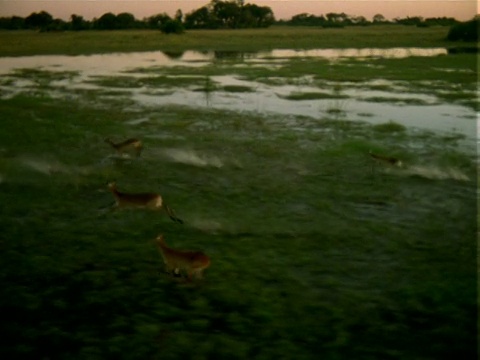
466 31
172 27
389 127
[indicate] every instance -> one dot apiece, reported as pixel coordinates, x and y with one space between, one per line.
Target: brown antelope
191 262
386 159
151 201
131 144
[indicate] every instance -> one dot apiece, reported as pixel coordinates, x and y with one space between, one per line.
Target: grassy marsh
317 252
150 81
15 43
313 252
312 96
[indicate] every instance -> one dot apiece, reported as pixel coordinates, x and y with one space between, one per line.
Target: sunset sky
283 9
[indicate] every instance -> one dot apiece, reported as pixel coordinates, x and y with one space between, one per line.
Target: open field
313 254
317 251
14 43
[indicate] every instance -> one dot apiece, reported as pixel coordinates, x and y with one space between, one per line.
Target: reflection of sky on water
265 99
358 53
431 113
117 62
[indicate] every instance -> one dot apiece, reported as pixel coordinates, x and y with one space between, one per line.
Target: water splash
52 167
191 157
207 225
436 173
42 166
138 121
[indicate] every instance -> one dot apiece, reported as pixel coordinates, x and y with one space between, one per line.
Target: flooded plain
222 80
317 249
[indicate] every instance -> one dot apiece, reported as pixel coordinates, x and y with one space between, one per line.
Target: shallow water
118 62
393 101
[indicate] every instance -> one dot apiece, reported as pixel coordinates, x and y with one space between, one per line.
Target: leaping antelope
151 201
131 144
386 159
191 262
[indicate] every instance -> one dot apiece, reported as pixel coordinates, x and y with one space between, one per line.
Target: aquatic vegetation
41 75
390 127
237 88
394 100
312 96
284 203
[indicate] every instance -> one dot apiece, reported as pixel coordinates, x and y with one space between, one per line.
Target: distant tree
231 14
55 25
337 18
200 19
379 19
301 19
415 20
466 31
441 21
329 20
77 23
107 21
359 20
12 23
38 20
125 21
227 13
172 26
179 15
305 19
257 16
156 21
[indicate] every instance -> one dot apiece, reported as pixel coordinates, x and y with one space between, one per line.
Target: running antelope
131 144
191 262
386 159
151 201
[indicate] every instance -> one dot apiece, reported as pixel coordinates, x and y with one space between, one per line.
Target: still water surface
395 101
117 62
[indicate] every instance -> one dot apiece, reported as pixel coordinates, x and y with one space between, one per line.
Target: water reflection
359 53
236 55
116 62
174 55
434 116
377 101
464 50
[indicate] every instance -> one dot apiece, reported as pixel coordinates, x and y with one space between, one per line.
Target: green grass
313 254
14 43
316 251
391 126
237 88
312 96
396 100
130 82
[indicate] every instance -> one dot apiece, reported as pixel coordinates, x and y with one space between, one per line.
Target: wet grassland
317 251
15 43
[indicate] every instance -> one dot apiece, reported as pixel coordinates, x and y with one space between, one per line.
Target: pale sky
283 9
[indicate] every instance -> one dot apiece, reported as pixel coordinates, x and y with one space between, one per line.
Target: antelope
191 262
151 201
131 144
386 159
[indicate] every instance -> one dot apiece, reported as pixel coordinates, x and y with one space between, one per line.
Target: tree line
226 14
218 14
459 31
342 20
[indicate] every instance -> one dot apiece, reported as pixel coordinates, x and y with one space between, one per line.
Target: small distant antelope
191 262
131 144
151 201
386 159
